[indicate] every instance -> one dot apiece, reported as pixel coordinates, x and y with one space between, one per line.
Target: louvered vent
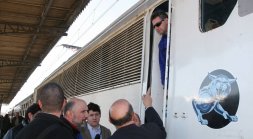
116 62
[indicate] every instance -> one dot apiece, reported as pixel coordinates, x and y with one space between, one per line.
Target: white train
209 86
22 106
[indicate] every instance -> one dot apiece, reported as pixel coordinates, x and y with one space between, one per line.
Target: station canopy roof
28 31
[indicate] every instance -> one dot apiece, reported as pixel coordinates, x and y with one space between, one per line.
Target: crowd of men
53 117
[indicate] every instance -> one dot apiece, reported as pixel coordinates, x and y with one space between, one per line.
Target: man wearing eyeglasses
160 24
93 130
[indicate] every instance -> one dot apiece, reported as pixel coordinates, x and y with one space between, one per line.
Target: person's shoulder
55 130
17 129
154 129
18 126
23 133
8 134
65 133
129 131
110 137
61 132
114 137
107 131
105 128
54 126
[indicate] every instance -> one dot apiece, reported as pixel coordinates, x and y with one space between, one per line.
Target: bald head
121 112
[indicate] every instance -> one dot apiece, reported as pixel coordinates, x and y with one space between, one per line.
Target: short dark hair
34 108
51 97
94 107
159 13
123 120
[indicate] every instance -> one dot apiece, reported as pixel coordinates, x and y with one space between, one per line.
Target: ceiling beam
17 29
17 63
45 11
34 4
47 5
3 94
32 17
2 81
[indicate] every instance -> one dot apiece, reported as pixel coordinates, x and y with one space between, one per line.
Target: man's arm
151 116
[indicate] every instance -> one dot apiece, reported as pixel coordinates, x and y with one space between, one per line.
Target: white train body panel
193 55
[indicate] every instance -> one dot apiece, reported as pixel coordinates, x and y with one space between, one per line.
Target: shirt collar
95 129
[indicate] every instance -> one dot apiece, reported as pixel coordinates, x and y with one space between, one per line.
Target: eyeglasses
158 24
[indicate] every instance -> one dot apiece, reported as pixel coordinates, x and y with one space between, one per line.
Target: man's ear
109 119
133 116
40 104
69 114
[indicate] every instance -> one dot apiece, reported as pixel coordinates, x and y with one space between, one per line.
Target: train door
210 72
154 79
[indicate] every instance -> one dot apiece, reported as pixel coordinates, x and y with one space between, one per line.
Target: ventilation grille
116 62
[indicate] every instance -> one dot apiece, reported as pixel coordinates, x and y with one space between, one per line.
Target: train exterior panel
209 86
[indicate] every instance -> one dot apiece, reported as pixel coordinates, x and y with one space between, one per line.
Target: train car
22 106
208 71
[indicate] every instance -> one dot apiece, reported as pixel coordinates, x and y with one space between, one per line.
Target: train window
214 13
245 7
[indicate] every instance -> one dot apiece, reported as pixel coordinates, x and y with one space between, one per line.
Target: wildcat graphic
210 97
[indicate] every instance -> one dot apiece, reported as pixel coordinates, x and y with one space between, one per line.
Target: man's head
31 111
50 98
121 113
94 114
160 22
76 111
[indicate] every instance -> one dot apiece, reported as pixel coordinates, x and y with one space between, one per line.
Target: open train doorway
159 55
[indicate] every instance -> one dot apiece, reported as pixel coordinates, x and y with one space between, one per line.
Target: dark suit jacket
105 132
13 120
41 123
153 129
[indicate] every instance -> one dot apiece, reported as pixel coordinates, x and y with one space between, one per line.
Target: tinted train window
214 13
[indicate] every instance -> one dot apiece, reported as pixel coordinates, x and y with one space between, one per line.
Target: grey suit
105 132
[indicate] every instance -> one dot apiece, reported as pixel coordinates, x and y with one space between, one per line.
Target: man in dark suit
122 117
47 124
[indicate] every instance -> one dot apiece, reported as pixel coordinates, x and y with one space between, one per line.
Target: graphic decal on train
217 100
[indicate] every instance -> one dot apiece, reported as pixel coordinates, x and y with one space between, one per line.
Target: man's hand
147 100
